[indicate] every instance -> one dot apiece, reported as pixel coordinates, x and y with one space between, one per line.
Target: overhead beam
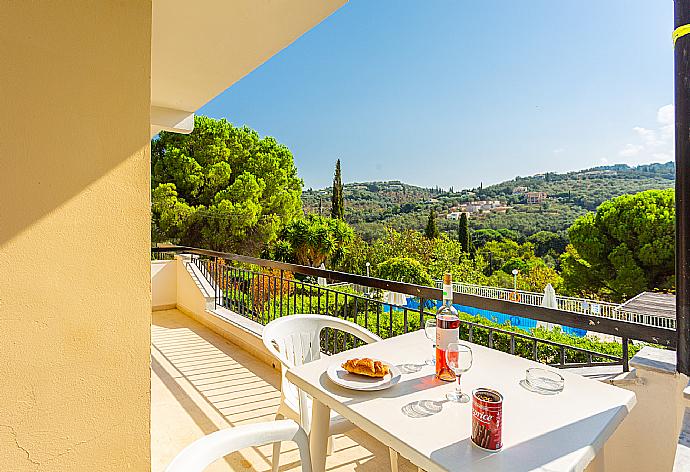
168 119
682 102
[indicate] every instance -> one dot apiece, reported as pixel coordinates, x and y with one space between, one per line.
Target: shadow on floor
211 384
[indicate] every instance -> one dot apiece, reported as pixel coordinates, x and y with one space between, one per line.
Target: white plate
361 382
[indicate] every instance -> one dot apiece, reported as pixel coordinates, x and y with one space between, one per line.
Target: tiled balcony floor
201 383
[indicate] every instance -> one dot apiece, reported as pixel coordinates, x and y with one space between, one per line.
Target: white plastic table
563 432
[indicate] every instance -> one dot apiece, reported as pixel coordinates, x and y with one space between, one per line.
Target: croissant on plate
366 366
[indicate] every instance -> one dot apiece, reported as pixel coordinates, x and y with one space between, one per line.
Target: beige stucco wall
647 438
196 304
163 285
190 298
74 235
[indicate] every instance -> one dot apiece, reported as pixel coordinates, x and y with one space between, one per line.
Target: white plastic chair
296 340
203 452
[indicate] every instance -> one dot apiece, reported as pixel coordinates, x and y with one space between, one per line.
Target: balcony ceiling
200 48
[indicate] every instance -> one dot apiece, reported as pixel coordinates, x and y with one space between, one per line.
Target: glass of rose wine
459 359
430 332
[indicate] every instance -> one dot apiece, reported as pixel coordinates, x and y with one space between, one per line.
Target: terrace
90 381
210 308
201 383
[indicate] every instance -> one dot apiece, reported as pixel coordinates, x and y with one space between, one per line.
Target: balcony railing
570 304
263 290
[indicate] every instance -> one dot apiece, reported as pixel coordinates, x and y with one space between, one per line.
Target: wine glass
459 360
430 332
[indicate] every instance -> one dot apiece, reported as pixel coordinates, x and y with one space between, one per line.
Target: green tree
358 253
501 252
404 269
222 187
537 277
546 242
431 231
532 277
337 204
482 236
438 256
464 232
515 263
510 234
313 240
408 243
626 247
578 278
448 256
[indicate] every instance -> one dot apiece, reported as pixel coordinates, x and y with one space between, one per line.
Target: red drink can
487 419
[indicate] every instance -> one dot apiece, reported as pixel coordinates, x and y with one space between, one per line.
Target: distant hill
371 201
370 206
590 187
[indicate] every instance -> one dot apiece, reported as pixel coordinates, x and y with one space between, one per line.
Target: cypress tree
337 206
464 232
431 231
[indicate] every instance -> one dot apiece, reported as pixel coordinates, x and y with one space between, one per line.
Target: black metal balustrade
157 255
264 290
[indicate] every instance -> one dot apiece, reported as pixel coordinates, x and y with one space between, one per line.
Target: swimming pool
524 324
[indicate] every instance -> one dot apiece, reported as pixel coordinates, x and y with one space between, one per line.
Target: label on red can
487 419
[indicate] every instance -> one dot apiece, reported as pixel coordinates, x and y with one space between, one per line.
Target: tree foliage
500 253
431 231
482 236
374 205
312 240
548 242
222 187
437 256
464 232
404 269
337 203
626 247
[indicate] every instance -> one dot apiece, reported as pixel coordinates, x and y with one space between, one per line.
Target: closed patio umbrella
549 301
395 298
322 280
399 299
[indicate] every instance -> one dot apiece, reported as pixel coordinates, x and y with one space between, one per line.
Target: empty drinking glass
430 332
459 359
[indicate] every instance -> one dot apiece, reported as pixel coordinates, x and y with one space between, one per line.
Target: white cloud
652 144
559 151
648 136
631 150
666 115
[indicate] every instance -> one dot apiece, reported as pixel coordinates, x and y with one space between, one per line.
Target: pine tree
431 231
464 232
337 206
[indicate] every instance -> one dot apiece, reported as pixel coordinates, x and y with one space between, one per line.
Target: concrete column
647 438
74 235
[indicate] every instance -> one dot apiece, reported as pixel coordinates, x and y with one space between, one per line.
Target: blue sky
454 93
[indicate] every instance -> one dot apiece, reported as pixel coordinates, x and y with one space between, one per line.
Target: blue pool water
525 324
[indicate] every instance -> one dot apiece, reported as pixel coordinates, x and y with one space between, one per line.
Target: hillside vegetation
371 206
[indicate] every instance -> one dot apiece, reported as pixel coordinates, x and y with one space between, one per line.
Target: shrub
404 269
